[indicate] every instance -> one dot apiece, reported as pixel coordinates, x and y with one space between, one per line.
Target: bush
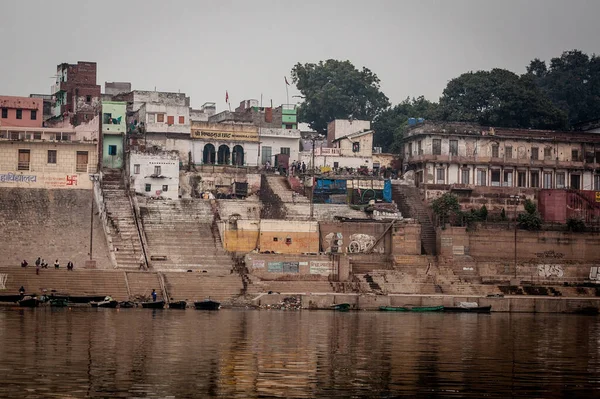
530 220
575 224
483 213
445 206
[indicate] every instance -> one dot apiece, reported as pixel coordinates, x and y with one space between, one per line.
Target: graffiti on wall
3 279
550 270
361 243
69 180
11 177
335 241
550 255
324 268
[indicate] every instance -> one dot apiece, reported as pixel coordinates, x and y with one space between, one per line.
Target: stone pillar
343 265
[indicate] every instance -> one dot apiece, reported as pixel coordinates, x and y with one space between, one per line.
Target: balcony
328 152
515 162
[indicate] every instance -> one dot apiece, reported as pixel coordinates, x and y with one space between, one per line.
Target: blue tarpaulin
387 191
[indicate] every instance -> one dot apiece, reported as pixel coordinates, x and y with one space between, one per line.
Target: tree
499 98
337 90
444 206
572 82
531 219
391 124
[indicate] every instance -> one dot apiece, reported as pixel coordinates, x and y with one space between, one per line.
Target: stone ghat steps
322 211
210 269
199 286
78 282
141 284
281 188
296 287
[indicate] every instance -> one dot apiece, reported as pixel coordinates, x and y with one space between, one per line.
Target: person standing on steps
56 264
37 262
37 268
70 265
153 295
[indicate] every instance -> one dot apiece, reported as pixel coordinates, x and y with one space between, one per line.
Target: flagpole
287 95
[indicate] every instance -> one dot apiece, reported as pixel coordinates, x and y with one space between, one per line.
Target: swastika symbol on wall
71 180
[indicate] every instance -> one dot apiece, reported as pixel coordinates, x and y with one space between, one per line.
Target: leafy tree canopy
499 98
337 90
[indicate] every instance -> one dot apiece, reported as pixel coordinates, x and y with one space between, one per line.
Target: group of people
40 263
297 167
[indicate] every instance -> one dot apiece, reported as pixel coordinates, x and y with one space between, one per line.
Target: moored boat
11 298
342 307
207 304
178 305
463 309
58 303
105 304
80 298
29 302
126 304
154 305
411 308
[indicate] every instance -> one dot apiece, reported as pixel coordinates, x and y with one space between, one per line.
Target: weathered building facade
224 144
114 128
471 155
21 111
76 94
154 174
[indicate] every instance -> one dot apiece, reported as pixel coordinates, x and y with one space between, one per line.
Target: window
148 187
151 118
521 179
289 125
576 182
547 153
336 165
19 114
464 176
136 169
51 156
37 136
23 163
107 118
574 155
534 153
355 147
596 182
284 150
181 120
265 155
547 179
508 178
481 177
437 147
82 161
454 147
419 148
165 188
495 178
33 114
112 150
508 152
157 170
440 176
88 99
160 118
275 239
170 120
410 149
535 179
288 240
4 113
560 180
495 151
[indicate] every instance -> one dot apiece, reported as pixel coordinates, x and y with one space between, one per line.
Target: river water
141 353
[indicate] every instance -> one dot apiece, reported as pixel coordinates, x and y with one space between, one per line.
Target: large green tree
337 90
391 124
499 98
572 82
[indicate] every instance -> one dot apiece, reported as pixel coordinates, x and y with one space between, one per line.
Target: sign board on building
275 267
290 267
258 264
224 135
324 268
597 196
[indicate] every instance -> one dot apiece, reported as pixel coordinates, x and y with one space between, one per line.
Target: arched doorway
238 155
208 155
223 156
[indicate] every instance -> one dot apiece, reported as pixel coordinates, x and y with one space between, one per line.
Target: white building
154 175
274 141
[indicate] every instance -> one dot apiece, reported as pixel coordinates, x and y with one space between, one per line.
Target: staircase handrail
101 205
135 207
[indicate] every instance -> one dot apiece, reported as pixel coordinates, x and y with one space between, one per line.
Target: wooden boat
126 304
342 307
107 303
81 298
154 305
411 308
463 309
11 298
58 303
207 304
29 302
178 305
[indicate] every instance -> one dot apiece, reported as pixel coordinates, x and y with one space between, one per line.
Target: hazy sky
203 48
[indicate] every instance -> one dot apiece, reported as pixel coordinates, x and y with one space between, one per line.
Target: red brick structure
76 94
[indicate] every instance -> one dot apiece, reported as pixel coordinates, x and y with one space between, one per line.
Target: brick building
459 154
76 94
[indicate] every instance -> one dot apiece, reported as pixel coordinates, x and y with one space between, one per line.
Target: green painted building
289 117
114 126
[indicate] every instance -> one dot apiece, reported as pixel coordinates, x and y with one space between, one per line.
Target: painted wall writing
275 267
3 280
550 270
324 268
11 177
550 255
291 267
258 264
55 182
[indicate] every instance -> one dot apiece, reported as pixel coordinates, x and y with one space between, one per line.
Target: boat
178 305
207 304
472 309
81 298
29 302
11 298
126 304
153 305
411 308
58 303
342 307
108 302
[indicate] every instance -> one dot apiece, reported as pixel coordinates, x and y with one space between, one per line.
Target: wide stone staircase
182 236
123 232
141 285
79 282
199 286
281 188
410 205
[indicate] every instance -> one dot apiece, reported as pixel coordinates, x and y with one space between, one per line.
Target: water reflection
246 354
